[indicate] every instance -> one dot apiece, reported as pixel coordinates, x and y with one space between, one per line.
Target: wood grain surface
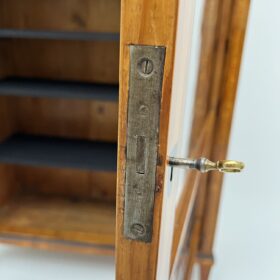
60 219
55 208
219 90
146 22
63 15
236 34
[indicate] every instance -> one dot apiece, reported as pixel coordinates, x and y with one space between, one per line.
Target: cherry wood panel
9 185
216 21
232 63
80 119
8 124
57 245
83 119
64 15
72 183
3 58
60 219
62 60
146 22
222 39
218 99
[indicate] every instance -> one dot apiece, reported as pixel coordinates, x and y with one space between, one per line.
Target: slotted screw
146 66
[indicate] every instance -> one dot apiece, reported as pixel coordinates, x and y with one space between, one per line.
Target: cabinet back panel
8 183
62 60
7 121
64 15
3 58
69 183
81 119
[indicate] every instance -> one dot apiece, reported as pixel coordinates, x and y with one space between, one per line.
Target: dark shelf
58 152
57 89
58 35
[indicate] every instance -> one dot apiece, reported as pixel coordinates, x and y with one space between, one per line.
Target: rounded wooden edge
58 245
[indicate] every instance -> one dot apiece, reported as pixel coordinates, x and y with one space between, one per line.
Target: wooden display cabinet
59 123
70 72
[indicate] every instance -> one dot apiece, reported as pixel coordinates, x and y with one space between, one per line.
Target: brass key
204 165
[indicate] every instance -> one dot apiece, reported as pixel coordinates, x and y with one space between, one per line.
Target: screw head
137 229
145 66
143 110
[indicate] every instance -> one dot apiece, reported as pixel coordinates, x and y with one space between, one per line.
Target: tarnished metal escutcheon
144 102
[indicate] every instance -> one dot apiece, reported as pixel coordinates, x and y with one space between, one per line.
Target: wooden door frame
207 212
154 22
223 35
143 22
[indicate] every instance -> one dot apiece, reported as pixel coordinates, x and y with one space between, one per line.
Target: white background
247 244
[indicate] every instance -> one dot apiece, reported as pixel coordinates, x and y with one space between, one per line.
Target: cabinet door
179 63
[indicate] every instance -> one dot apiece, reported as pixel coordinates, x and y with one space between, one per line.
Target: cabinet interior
59 119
